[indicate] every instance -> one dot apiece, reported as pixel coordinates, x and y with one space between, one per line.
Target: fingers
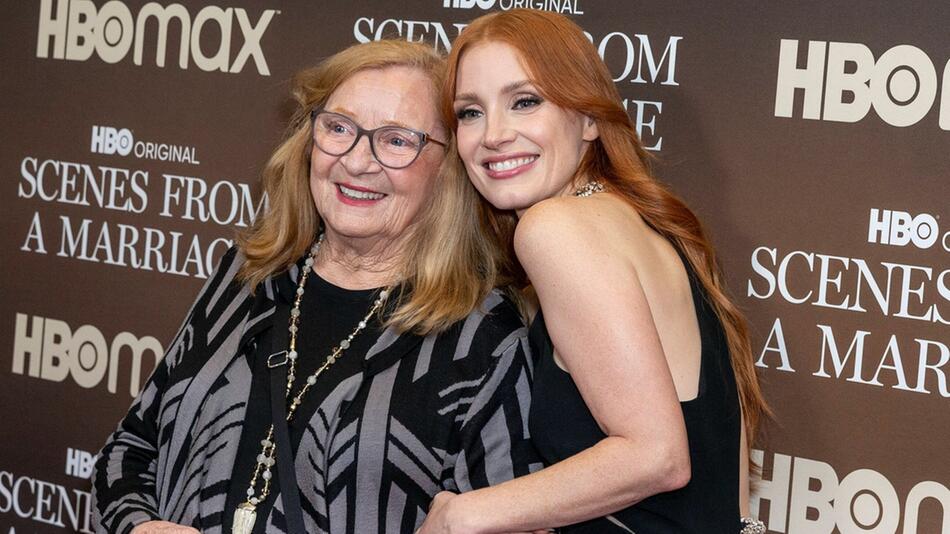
439 498
162 527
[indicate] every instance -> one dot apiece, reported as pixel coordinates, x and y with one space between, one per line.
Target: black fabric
328 314
285 459
416 414
561 425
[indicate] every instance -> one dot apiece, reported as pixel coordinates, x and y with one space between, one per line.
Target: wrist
143 524
462 514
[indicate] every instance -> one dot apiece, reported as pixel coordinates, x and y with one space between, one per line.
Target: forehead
489 67
390 95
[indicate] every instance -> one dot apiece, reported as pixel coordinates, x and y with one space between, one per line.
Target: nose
498 131
360 158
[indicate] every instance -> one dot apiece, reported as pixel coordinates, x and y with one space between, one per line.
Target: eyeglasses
393 147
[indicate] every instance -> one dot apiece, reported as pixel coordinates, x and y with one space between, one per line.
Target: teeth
509 164
359 195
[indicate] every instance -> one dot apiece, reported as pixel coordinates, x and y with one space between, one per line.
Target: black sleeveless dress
561 425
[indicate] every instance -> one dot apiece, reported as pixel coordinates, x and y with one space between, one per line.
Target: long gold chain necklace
246 513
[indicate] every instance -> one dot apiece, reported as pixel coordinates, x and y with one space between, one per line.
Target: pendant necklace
246 513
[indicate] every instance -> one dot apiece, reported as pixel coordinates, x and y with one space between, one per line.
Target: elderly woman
350 358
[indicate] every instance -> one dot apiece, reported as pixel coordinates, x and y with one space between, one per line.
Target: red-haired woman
645 396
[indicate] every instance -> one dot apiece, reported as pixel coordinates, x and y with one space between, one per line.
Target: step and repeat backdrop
813 138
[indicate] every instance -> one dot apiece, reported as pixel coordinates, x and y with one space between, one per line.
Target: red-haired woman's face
518 148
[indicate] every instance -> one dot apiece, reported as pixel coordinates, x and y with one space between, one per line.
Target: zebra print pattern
445 411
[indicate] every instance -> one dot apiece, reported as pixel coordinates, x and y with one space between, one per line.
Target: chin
509 202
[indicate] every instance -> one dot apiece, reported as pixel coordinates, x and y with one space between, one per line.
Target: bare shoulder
566 223
569 226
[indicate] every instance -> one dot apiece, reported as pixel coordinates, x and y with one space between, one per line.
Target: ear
590 129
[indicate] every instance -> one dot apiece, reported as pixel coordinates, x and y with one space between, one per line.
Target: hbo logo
899 228
842 82
109 141
79 463
468 4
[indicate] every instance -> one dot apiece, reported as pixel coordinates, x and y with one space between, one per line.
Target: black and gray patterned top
444 411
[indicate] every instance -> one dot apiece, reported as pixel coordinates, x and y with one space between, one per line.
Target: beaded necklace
246 513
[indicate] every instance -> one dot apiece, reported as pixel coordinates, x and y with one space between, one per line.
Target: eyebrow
509 88
349 114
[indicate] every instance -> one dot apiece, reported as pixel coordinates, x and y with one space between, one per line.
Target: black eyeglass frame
424 138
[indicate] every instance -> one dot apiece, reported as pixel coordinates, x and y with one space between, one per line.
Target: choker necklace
588 189
245 515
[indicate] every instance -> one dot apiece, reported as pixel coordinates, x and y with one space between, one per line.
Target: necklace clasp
277 359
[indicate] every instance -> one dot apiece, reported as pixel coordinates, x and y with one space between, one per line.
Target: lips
508 166
359 194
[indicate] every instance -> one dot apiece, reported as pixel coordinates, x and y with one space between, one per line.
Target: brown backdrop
812 139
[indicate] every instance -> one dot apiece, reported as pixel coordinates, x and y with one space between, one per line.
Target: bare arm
162 527
600 322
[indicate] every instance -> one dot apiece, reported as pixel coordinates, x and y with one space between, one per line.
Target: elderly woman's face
356 196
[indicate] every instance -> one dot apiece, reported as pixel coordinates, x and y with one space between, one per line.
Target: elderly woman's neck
360 263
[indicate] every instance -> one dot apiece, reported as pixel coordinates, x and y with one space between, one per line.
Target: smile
356 194
509 164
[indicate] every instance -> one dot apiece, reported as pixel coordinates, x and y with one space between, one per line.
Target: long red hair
566 69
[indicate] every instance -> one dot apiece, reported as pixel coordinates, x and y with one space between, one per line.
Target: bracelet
752 526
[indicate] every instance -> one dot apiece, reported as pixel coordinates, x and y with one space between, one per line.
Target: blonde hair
566 68
449 264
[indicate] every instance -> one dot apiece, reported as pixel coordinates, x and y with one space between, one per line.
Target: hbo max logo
50 349
77 29
110 141
900 228
842 82
808 496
